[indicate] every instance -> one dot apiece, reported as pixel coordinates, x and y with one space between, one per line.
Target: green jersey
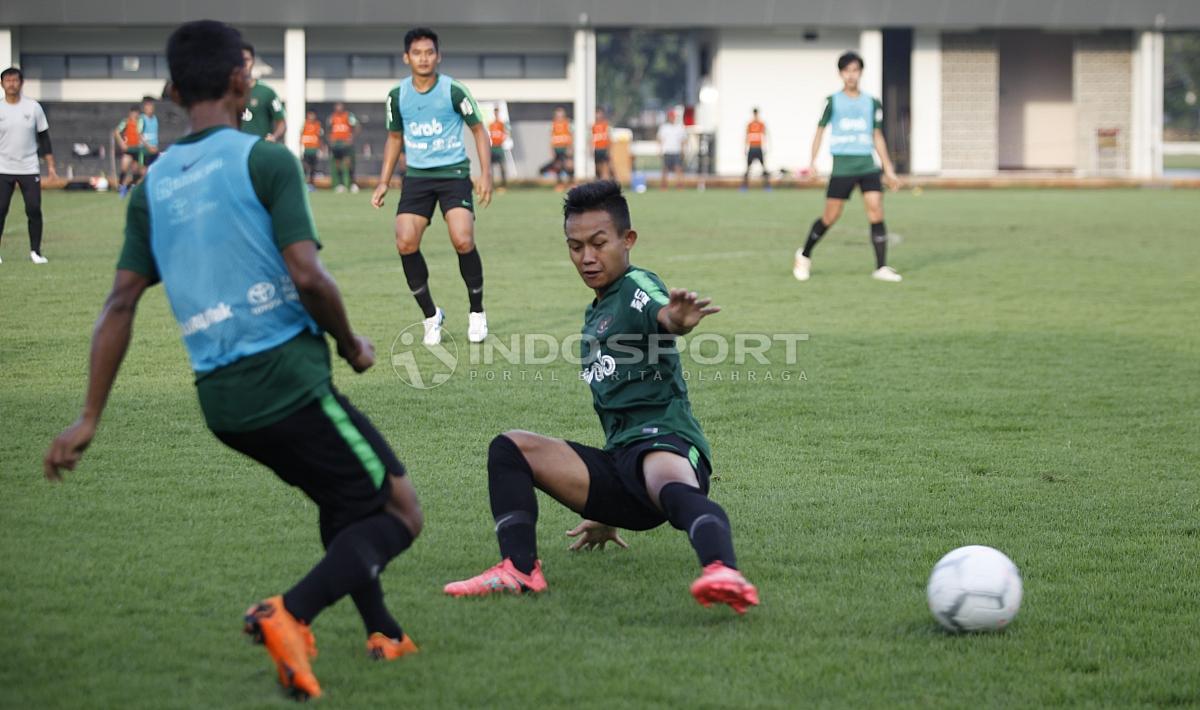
263 110
856 119
632 366
260 389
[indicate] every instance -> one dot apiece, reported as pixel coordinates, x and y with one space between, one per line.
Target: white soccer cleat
354 187
433 328
886 273
477 327
37 258
339 189
801 266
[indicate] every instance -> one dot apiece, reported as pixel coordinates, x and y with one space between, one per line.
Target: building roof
955 14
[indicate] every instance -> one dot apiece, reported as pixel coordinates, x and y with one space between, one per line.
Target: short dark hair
12 70
201 56
247 47
600 195
133 109
849 58
417 33
147 99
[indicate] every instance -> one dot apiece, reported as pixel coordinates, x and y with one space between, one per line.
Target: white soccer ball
974 588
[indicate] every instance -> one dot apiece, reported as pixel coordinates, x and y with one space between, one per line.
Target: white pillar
1145 160
926 87
585 99
8 50
294 73
870 46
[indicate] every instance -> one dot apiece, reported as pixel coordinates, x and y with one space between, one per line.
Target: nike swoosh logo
187 166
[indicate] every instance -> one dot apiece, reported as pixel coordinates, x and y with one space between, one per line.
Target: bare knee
463 244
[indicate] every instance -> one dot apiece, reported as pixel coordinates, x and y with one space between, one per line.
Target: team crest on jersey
465 107
640 299
602 326
254 103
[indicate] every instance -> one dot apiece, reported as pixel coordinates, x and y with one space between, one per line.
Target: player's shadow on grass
919 261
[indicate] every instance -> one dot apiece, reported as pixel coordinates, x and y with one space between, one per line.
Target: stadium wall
970 106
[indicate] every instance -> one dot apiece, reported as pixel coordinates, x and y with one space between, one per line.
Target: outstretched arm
684 311
393 157
110 341
816 149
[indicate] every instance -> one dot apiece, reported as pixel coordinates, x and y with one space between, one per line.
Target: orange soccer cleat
504 577
724 585
382 648
290 643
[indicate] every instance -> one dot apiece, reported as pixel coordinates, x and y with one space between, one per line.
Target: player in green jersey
222 222
655 465
856 136
425 117
263 115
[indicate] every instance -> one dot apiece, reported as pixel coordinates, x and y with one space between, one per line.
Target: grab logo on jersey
432 128
853 124
604 366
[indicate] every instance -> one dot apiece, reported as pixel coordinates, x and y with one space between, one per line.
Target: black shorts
601 155
310 158
672 161
754 154
138 155
841 186
419 195
329 450
151 156
617 493
341 151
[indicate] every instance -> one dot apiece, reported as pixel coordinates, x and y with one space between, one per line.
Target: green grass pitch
1033 385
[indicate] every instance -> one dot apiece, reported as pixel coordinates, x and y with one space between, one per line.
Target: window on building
503 66
545 66
371 66
87 66
461 66
328 66
140 66
44 66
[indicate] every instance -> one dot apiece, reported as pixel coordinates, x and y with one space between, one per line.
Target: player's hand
363 356
483 188
892 182
68 448
381 191
686 309
592 535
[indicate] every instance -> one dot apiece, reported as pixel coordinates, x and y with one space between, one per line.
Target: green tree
1181 86
636 69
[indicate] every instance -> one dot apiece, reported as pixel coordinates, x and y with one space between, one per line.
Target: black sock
417 275
815 232
368 599
879 241
514 503
703 520
355 558
471 268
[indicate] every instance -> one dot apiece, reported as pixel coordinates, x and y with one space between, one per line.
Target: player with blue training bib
425 117
856 137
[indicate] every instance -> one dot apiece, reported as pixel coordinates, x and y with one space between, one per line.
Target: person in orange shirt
343 127
498 131
756 135
128 135
561 140
310 141
601 142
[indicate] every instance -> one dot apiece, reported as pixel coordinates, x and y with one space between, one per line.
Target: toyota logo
260 293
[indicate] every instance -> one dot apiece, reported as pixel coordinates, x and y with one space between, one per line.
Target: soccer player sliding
655 465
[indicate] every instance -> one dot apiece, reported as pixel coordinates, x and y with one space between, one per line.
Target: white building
969 89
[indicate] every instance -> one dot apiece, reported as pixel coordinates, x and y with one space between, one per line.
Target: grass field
1034 385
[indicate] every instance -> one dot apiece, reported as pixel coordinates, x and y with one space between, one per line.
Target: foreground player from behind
223 221
655 464
857 120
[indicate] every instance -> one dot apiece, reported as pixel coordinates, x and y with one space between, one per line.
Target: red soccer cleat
502 578
724 585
